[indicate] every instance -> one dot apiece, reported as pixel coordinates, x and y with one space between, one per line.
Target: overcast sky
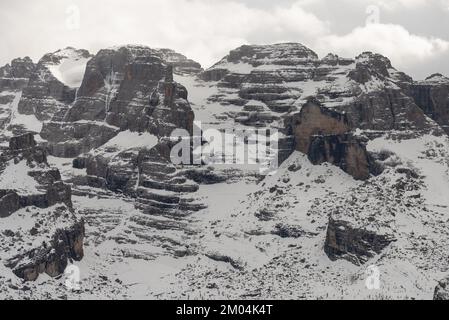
414 34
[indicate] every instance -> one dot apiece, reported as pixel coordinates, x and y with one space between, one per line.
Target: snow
414 151
142 257
130 140
112 85
15 177
239 68
28 122
71 68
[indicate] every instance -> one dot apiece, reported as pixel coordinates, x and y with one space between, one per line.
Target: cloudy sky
414 34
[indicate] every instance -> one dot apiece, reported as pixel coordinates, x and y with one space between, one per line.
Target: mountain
87 177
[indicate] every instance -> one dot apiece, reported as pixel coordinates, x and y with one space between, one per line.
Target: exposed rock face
370 66
25 141
315 120
44 203
19 68
128 88
51 258
344 151
267 86
118 85
13 78
323 135
58 192
46 95
181 64
264 74
384 110
372 94
442 290
432 96
68 139
143 174
353 244
362 222
9 203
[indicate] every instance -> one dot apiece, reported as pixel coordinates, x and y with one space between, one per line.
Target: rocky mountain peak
436 78
66 65
19 68
181 64
371 66
276 54
56 57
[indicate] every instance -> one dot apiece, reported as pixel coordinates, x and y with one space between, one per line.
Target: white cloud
393 41
400 4
202 29
205 30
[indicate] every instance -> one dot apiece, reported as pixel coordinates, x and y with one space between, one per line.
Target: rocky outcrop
9 203
118 86
15 76
356 245
57 192
370 93
181 64
70 139
313 120
442 290
55 234
263 74
148 207
370 66
25 141
432 96
46 95
344 151
19 68
386 109
324 135
144 174
126 88
51 258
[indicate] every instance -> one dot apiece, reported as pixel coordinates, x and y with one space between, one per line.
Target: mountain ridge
353 134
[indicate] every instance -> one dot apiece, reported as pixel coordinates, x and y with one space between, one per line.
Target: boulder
9 203
354 244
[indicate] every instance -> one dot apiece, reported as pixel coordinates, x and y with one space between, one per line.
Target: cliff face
13 78
324 135
46 94
314 120
344 151
128 88
432 96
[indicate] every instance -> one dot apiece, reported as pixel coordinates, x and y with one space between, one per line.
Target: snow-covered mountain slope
68 65
363 174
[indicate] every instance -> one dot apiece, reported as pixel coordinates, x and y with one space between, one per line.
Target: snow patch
15 177
71 68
